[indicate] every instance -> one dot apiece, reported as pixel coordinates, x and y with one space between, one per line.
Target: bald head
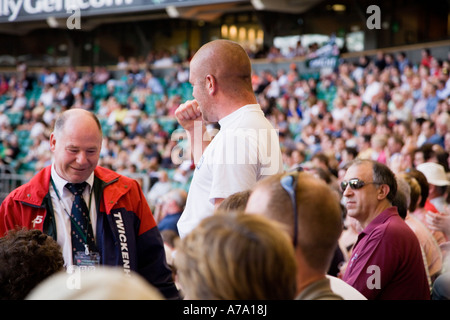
75 115
226 60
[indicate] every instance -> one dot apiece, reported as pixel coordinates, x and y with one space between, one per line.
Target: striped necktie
81 228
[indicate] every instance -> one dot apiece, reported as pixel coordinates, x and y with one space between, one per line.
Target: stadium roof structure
113 28
21 16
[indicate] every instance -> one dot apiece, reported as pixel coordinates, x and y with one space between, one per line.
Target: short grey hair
62 118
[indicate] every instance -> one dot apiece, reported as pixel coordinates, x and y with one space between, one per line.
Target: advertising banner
32 10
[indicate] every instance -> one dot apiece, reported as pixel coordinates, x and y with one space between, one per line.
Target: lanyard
83 235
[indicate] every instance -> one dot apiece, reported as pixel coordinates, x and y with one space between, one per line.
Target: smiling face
76 147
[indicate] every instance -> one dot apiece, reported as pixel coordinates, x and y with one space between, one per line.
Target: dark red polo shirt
386 261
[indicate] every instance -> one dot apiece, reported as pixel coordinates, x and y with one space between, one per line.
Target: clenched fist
187 113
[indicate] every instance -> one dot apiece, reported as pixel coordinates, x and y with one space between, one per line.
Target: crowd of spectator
135 107
384 108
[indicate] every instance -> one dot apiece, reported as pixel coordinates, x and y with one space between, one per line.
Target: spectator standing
221 77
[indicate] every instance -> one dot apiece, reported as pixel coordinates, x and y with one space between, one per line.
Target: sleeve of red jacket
4 218
7 218
152 262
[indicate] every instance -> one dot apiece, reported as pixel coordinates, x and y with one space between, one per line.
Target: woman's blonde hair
236 256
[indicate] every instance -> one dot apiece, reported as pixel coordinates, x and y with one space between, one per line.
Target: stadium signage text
31 10
12 8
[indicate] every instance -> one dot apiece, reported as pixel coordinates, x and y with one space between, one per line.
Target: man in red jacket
118 229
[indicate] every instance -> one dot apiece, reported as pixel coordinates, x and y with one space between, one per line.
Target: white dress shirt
62 206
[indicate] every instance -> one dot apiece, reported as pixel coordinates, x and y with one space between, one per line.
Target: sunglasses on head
355 184
289 184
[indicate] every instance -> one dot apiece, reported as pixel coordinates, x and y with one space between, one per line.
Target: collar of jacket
40 184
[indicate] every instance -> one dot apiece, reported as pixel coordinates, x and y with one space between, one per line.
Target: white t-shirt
245 150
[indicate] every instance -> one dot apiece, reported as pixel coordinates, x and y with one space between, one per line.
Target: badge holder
87 261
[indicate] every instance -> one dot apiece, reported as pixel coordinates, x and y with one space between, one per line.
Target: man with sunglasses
386 261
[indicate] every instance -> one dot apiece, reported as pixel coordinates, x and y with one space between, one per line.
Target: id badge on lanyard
88 261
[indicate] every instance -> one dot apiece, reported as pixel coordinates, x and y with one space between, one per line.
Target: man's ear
383 191
211 84
52 142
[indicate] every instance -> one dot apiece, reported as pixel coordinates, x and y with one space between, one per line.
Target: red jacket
127 234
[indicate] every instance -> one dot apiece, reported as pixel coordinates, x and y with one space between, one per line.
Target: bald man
116 226
245 149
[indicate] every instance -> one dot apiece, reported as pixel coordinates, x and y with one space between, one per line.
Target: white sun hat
435 173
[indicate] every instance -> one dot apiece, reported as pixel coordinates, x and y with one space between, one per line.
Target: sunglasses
355 184
289 184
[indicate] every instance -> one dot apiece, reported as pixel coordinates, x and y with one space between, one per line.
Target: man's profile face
360 202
